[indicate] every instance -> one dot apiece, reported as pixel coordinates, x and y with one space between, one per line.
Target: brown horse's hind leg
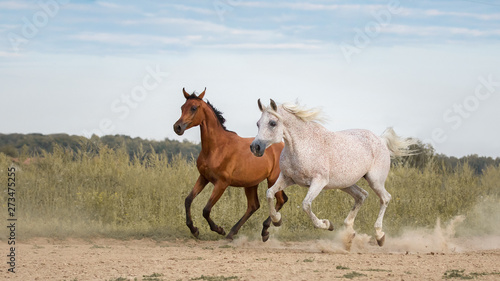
252 206
281 199
219 189
198 187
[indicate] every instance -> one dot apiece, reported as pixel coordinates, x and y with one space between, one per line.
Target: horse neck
296 132
212 132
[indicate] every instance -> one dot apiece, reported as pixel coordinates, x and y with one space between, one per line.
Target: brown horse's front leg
198 187
219 189
281 199
252 206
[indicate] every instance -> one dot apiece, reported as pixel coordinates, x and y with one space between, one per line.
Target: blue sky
430 69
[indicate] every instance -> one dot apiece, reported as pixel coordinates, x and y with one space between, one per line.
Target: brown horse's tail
398 146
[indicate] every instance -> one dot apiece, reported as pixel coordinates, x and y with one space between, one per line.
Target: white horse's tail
397 145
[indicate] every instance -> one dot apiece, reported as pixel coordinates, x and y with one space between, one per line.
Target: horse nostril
178 129
257 150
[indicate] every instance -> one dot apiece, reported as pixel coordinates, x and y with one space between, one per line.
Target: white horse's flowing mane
305 114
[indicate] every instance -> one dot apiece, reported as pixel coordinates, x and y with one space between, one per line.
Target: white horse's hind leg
281 183
359 196
385 197
314 190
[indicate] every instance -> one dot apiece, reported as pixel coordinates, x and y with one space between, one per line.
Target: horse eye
194 108
272 123
258 125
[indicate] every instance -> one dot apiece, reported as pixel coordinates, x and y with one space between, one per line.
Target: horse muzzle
258 148
180 127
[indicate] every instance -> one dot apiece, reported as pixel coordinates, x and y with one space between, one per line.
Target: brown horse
226 160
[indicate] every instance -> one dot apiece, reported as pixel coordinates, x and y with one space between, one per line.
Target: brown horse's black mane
217 112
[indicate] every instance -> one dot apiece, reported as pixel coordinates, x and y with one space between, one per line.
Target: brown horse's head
190 117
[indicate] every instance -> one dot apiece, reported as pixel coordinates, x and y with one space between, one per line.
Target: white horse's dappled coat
319 159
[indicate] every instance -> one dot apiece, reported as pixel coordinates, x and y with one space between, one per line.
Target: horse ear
273 105
260 106
200 96
186 95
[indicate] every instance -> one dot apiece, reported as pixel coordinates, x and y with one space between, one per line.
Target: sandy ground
412 257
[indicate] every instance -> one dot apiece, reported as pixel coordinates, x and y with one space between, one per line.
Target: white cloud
198 10
109 5
213 32
114 6
9 54
485 17
268 46
5 27
16 5
134 39
430 13
431 31
182 22
304 6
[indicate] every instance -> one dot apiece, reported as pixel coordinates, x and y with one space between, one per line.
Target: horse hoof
348 241
229 237
278 223
331 226
196 233
381 241
265 237
221 231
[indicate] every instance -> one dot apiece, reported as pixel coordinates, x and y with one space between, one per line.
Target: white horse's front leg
281 183
316 186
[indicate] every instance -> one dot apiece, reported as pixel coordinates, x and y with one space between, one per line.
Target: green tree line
425 154
14 145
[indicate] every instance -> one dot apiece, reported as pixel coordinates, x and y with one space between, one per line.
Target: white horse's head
270 127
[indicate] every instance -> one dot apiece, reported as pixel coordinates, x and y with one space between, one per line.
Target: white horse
320 159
